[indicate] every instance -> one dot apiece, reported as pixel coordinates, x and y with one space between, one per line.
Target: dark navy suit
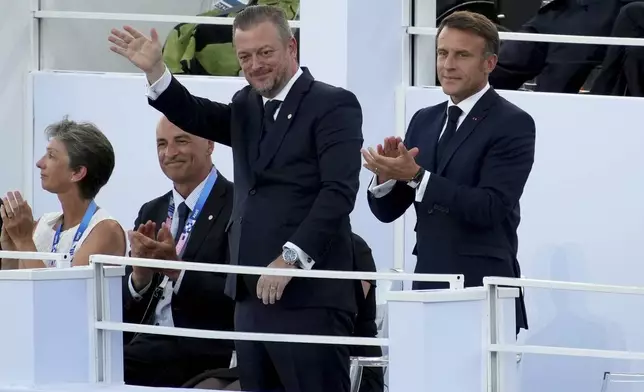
467 220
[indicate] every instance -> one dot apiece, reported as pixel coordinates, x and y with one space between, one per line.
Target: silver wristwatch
290 256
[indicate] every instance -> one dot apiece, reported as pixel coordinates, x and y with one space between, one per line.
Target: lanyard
192 219
89 213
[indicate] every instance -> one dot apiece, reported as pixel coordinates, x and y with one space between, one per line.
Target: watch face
290 256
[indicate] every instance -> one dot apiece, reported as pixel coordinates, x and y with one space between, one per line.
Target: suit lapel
473 119
254 125
285 118
161 214
207 217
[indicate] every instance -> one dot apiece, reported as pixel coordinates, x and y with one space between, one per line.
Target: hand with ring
391 160
17 218
270 288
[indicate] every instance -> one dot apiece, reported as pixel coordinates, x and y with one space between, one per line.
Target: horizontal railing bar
210 20
553 38
565 351
456 281
7 254
558 285
246 336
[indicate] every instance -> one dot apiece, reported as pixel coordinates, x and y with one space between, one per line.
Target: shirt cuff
158 87
420 190
380 190
305 261
137 296
177 284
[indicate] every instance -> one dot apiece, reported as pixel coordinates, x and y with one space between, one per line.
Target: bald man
187 223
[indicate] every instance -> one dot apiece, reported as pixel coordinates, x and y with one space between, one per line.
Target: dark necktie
267 123
269 110
184 212
453 113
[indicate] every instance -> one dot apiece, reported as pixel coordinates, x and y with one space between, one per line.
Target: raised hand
145 53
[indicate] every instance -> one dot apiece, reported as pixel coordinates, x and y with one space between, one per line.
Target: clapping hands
17 218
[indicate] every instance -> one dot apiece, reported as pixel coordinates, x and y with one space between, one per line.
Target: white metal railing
102 325
210 20
494 347
15 255
554 38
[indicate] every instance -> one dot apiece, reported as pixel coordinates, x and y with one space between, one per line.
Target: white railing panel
211 20
456 281
493 347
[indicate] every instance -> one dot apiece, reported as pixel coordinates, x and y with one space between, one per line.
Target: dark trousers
292 367
623 68
166 361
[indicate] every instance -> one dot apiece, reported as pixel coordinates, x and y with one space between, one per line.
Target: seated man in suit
188 223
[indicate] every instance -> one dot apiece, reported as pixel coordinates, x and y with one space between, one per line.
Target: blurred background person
196 212
78 162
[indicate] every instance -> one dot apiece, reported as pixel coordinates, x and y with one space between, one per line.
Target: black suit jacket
468 218
301 189
200 301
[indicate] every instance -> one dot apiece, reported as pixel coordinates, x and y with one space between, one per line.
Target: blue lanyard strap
89 213
190 222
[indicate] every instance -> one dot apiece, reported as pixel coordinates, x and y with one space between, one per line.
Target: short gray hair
86 147
253 15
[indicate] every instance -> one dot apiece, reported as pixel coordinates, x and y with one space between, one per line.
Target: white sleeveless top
46 229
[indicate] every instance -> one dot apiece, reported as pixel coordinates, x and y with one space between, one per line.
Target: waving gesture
142 51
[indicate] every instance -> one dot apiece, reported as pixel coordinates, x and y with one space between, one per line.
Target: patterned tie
453 113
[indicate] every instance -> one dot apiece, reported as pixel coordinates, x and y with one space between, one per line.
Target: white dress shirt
158 87
163 311
466 106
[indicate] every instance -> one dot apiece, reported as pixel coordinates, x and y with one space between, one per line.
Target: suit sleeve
338 138
198 116
133 310
393 204
504 173
519 61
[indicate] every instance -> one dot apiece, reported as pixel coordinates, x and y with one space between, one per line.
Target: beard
271 88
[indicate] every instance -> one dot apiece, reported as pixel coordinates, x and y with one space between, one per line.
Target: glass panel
623 382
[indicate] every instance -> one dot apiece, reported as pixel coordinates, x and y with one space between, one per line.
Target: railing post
493 363
100 346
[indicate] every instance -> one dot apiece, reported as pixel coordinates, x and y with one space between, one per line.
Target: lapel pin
289 116
209 217
475 118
